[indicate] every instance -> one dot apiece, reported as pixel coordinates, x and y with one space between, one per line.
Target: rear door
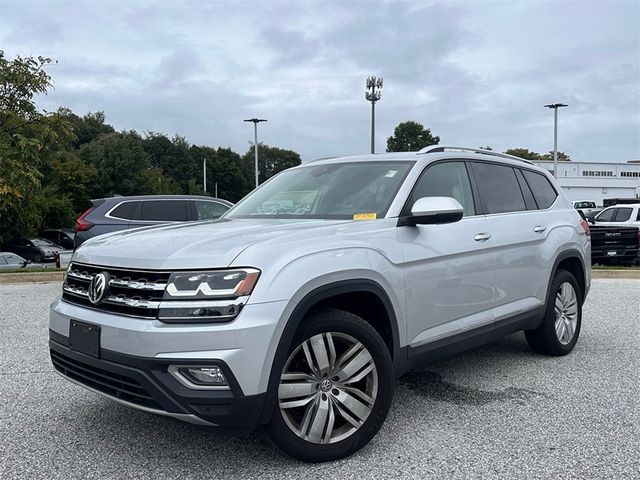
449 273
519 228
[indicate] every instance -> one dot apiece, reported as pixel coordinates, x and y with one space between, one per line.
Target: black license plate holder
84 338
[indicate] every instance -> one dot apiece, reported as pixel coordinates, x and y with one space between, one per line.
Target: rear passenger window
209 210
542 189
165 211
126 210
623 214
447 179
499 188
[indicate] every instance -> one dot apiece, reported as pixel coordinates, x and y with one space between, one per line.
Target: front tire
335 388
560 328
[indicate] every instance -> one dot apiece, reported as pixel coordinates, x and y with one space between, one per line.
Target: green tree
523 153
27 135
86 128
271 160
562 157
410 137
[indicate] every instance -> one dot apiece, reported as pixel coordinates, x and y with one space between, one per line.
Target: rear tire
37 258
335 389
560 328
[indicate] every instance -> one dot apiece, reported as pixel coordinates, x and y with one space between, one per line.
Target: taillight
585 226
81 223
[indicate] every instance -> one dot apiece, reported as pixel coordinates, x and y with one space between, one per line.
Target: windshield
41 242
331 191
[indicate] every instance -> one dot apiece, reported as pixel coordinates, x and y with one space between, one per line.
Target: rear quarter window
125 211
541 187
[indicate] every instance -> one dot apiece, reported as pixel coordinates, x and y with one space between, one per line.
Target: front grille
113 384
130 292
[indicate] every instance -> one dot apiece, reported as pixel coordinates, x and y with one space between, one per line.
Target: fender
564 255
297 316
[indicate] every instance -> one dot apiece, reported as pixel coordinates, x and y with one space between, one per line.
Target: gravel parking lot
496 411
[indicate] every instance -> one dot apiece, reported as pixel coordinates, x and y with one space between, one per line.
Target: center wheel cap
326 385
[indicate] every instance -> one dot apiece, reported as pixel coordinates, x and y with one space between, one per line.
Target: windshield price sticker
364 216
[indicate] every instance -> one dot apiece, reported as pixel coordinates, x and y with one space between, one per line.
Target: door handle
482 237
539 229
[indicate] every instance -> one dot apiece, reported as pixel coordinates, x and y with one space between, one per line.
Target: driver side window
447 179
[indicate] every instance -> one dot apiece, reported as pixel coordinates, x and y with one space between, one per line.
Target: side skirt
423 354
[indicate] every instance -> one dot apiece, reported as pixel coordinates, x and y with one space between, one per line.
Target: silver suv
301 305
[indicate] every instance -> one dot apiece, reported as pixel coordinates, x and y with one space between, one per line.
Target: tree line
53 163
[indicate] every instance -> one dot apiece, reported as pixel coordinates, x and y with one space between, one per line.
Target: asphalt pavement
498 411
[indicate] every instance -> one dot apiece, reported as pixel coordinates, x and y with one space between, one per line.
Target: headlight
206 297
217 284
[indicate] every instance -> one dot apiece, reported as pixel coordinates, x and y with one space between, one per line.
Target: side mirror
433 211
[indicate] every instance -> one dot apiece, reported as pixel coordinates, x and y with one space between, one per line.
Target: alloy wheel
566 311
328 388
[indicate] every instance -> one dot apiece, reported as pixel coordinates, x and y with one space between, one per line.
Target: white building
596 181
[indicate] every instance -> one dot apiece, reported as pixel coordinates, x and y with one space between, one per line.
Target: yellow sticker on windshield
364 216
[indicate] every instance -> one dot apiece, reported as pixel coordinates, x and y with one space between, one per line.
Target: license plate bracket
84 338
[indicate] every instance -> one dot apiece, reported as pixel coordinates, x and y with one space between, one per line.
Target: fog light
199 377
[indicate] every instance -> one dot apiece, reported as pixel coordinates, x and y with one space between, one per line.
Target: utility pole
555 107
373 94
255 122
204 171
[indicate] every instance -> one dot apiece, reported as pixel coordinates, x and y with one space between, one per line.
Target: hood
211 244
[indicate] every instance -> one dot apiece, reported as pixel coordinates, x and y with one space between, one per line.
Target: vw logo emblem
326 385
98 287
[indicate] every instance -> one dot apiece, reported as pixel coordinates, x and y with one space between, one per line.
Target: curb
626 273
36 277
32 277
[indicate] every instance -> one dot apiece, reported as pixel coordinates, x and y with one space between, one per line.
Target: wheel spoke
309 357
560 328
354 365
570 330
363 373
330 423
320 353
359 393
295 390
559 305
352 404
319 420
297 403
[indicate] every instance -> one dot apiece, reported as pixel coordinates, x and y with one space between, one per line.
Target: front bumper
135 354
145 384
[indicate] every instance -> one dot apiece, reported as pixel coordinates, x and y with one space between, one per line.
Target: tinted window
3 260
622 215
209 210
607 215
499 188
542 189
164 211
449 179
126 210
526 191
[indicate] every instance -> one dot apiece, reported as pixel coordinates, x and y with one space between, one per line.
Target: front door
449 270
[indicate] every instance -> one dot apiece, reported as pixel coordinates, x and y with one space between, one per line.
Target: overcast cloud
476 73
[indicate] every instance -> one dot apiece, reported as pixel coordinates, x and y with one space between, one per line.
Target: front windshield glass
330 191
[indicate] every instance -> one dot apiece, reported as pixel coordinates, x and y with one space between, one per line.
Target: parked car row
108 215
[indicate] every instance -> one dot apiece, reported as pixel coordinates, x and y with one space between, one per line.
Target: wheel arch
571 261
319 298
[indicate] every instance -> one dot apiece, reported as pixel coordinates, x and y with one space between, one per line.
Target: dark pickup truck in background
615 244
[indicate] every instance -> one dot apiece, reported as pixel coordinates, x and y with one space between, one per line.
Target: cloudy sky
475 73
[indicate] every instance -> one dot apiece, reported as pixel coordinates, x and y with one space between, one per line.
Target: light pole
204 171
373 94
555 107
255 122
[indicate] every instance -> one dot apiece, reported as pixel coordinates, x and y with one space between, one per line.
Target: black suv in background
120 213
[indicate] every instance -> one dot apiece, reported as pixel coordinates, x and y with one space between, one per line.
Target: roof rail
441 148
317 159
